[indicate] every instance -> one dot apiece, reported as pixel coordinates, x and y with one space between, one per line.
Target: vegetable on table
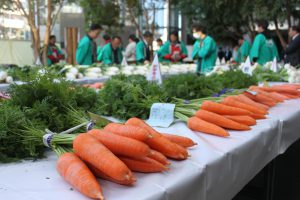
244 119
74 171
180 140
89 149
120 145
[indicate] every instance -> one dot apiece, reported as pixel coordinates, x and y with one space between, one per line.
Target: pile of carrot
239 112
94 85
116 151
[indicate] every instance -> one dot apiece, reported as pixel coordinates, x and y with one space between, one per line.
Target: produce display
50 111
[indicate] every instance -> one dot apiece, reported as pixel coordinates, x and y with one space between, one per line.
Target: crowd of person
205 51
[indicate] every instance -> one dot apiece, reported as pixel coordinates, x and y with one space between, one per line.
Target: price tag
161 114
251 92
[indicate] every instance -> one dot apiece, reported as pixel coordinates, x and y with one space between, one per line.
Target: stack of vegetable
237 112
112 153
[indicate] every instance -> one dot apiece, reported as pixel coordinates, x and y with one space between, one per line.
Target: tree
227 19
31 11
101 12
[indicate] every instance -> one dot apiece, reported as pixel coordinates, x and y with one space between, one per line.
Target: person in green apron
173 50
243 50
112 52
86 53
143 53
205 50
107 40
54 53
263 49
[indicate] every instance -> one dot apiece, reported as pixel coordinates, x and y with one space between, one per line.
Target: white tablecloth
217 169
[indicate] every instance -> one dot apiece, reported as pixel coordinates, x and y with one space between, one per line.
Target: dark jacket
293 52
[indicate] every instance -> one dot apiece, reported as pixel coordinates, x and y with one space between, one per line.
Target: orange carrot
280 95
144 165
130 131
197 124
234 103
244 99
180 140
90 150
221 121
261 99
74 171
102 175
281 89
120 145
257 116
159 143
267 94
223 109
290 96
159 157
247 120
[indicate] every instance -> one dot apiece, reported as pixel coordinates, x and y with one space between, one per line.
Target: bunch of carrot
116 151
236 112
94 85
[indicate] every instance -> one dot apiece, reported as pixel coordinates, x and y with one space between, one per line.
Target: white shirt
295 36
130 51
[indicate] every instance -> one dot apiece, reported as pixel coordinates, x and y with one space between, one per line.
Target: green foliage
12 121
190 86
235 79
124 97
47 97
263 74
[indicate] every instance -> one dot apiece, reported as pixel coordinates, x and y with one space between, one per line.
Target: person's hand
146 62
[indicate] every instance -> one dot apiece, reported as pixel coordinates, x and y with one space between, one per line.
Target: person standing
54 53
112 52
205 50
221 54
243 50
107 40
264 49
293 49
228 55
173 50
86 50
130 49
143 53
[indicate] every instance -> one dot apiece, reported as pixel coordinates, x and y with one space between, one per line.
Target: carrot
180 140
261 99
267 94
257 116
159 157
159 143
221 121
98 173
197 124
280 95
290 96
90 150
234 103
247 120
280 89
144 165
223 109
74 171
244 99
120 145
130 131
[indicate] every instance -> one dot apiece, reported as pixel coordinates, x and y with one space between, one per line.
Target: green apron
59 52
107 56
166 49
206 52
243 52
84 52
263 50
